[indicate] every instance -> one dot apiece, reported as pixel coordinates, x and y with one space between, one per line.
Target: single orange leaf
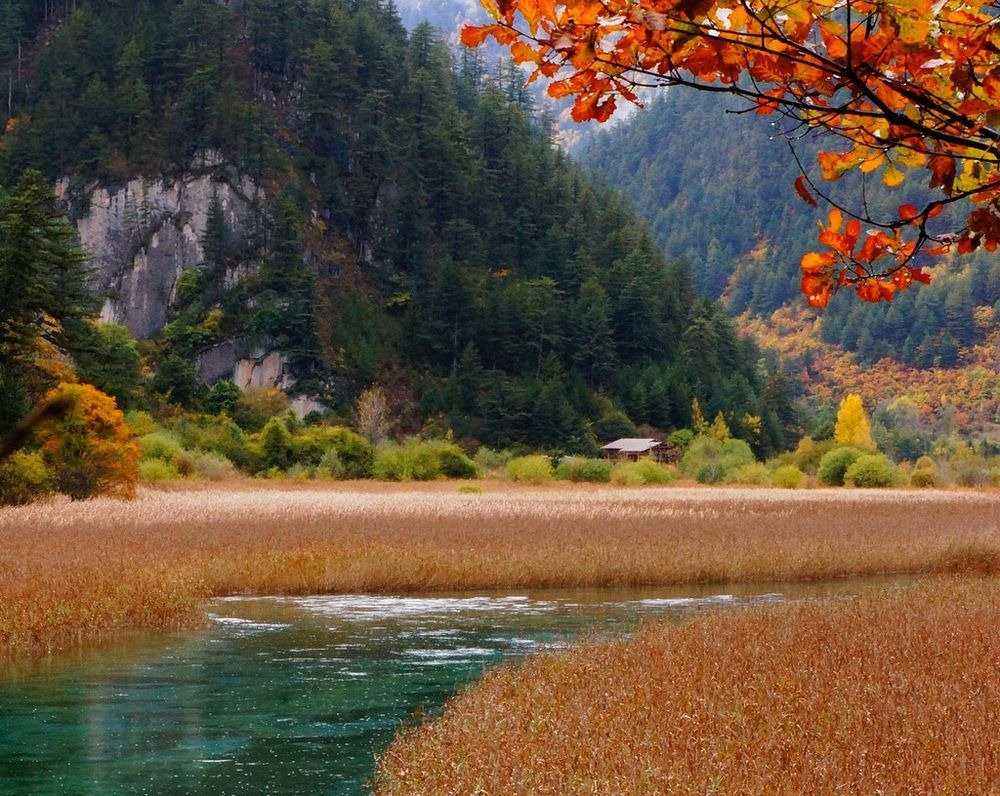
817 262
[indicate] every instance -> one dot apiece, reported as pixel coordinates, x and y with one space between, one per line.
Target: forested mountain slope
307 184
717 188
716 185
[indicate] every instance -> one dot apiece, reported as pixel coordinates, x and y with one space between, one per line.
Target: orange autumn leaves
848 263
90 448
904 85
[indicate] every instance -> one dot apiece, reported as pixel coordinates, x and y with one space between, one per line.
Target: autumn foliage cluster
902 85
84 449
951 399
91 448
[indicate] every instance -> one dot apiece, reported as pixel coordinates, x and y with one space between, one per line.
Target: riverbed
289 695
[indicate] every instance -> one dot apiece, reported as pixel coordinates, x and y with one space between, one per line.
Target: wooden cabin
631 449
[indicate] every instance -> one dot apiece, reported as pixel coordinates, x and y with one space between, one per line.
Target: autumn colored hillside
963 398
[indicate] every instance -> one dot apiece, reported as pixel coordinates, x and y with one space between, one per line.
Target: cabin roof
631 445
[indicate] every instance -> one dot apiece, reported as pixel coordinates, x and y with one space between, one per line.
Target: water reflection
288 695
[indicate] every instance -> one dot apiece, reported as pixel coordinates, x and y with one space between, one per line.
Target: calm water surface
288 695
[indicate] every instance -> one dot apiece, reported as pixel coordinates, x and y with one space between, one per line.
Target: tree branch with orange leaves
910 85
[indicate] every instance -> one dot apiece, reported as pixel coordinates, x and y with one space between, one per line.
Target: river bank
893 692
296 695
71 572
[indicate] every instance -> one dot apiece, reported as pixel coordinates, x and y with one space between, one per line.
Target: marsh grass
890 693
74 571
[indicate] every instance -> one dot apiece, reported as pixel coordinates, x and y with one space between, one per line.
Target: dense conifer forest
418 229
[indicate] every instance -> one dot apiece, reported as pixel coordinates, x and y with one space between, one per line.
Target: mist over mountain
447 16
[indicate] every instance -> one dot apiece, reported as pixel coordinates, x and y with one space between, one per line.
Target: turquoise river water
291 695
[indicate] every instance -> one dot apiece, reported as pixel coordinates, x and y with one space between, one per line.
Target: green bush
159 445
141 423
299 472
788 476
188 430
452 460
834 464
330 468
924 472
529 470
470 489
810 453
643 471
871 470
709 460
220 436
755 474
24 478
412 461
356 454
310 444
579 469
489 460
681 438
275 441
151 470
416 460
222 397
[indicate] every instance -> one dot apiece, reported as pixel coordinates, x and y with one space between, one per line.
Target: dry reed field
891 693
75 571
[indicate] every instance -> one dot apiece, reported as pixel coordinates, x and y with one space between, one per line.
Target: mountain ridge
402 222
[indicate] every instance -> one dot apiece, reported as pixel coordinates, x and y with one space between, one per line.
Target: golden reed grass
895 693
76 570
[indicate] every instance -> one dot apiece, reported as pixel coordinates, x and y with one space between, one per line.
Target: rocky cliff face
142 235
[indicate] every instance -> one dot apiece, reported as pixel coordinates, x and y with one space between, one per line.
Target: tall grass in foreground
894 693
72 571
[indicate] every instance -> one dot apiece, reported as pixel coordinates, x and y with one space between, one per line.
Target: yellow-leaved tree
89 448
852 426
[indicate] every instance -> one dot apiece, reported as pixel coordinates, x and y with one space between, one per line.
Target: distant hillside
305 194
716 186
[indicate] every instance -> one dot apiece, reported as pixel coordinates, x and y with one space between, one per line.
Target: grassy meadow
890 693
71 572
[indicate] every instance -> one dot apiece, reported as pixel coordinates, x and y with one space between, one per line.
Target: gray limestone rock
142 235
